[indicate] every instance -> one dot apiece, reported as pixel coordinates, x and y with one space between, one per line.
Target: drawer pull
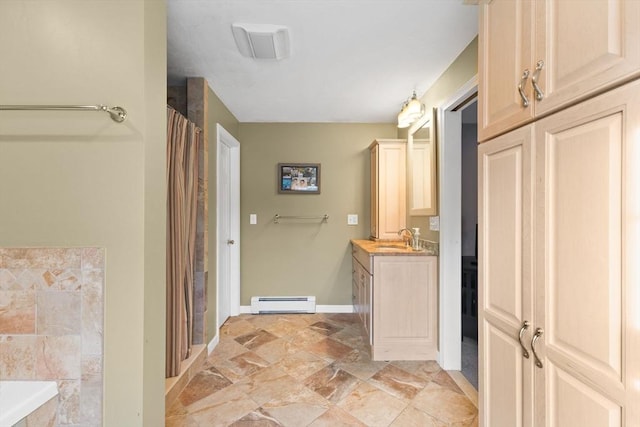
534 80
524 327
523 82
537 335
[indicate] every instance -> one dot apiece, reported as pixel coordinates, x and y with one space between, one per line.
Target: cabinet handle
537 335
534 80
524 327
523 82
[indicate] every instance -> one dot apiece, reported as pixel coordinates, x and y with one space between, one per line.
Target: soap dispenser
416 239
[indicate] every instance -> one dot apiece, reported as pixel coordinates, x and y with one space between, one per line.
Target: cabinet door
504 55
374 190
365 298
587 268
586 47
391 174
505 279
404 308
355 282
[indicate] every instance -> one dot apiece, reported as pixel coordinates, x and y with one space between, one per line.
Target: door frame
223 137
449 124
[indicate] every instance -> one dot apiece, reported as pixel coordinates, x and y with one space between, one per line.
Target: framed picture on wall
299 178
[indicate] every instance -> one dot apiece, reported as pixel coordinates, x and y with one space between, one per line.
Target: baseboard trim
212 344
246 309
334 309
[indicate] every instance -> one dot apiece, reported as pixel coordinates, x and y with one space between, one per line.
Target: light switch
352 219
434 223
253 219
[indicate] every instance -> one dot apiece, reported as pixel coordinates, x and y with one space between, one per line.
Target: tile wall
51 325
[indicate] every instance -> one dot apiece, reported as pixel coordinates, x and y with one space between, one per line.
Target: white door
228 225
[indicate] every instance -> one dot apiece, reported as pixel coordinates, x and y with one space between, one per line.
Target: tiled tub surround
51 325
314 370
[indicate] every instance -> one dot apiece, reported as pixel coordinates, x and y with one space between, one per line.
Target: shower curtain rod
118 114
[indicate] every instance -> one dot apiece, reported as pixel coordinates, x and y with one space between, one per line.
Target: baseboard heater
264 305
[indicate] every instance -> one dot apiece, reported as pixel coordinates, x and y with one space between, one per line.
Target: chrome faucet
410 242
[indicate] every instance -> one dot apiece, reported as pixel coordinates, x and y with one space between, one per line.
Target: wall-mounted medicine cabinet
421 167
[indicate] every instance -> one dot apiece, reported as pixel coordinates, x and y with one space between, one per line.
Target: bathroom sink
392 247
396 247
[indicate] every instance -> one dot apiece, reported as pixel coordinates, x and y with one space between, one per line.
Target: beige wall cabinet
396 297
388 188
537 56
559 214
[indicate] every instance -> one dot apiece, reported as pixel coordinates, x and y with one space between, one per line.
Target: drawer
363 258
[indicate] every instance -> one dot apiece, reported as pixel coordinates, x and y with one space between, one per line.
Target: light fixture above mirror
411 111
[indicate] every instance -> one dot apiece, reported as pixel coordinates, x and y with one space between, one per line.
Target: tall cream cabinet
388 188
559 306
537 56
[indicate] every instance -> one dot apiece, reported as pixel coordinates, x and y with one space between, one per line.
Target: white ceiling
351 60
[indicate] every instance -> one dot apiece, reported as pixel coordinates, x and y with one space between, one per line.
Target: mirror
421 166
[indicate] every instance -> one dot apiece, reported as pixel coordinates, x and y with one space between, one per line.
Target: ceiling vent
262 41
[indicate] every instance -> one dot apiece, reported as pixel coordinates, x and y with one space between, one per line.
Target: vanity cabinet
404 307
396 298
537 56
559 240
388 188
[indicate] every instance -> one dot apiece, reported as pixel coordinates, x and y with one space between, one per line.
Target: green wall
70 179
308 257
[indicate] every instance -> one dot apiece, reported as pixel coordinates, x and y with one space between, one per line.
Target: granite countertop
392 247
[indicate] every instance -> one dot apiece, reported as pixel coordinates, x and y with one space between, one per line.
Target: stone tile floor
313 370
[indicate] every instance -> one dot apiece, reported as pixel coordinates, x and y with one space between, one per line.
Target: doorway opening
450 212
469 241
